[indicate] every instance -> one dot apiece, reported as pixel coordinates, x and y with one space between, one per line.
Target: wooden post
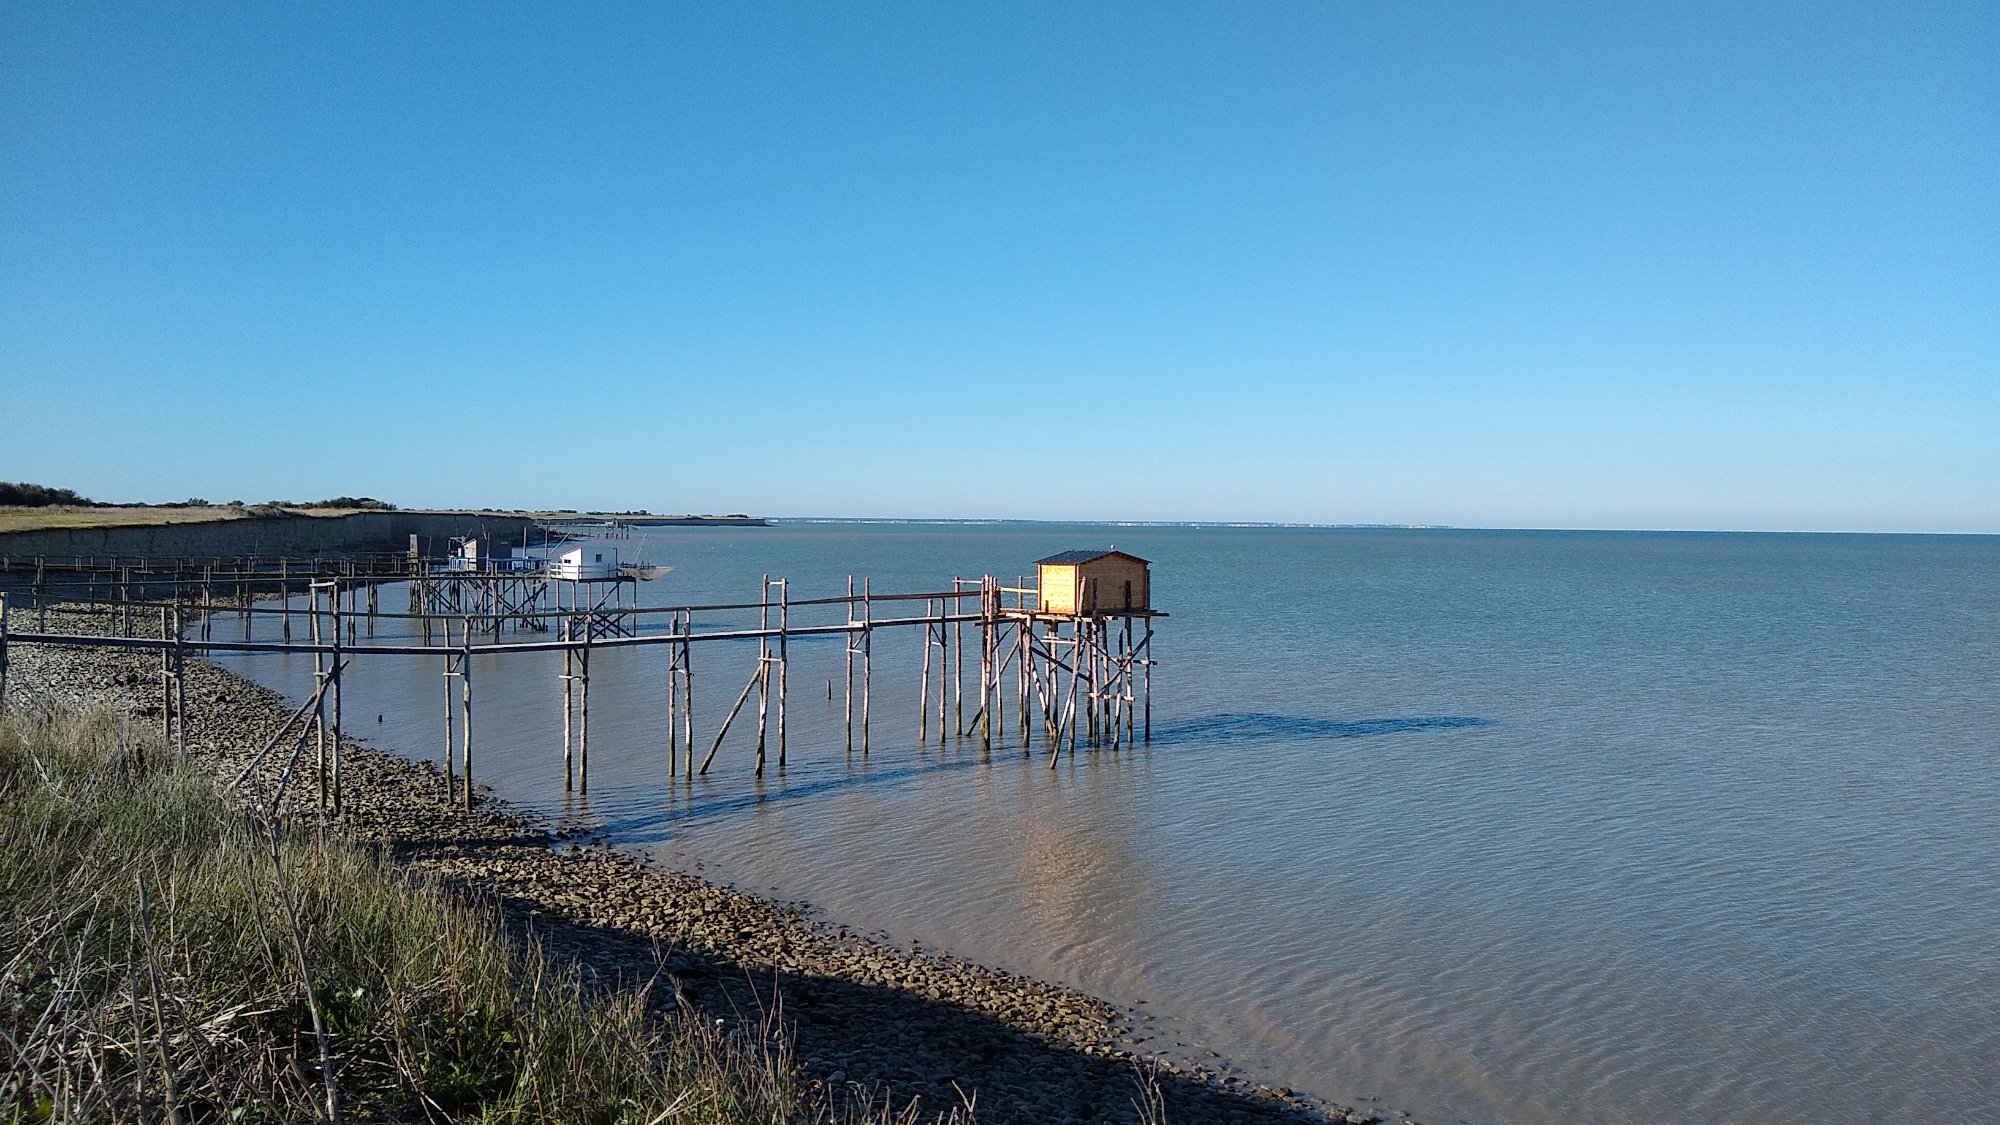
867 662
673 694
4 605
763 667
465 696
986 669
1146 652
957 663
166 685
752 682
568 690
319 707
687 672
784 659
583 719
180 682
335 673
924 684
847 695
285 595
1024 635
450 749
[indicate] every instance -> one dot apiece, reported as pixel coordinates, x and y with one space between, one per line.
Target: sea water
1517 827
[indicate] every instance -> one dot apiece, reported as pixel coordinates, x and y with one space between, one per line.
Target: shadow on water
1243 728
705 802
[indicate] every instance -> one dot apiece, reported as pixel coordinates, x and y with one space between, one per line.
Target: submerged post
687 671
569 697
924 683
465 695
847 695
673 695
763 678
583 720
867 662
784 659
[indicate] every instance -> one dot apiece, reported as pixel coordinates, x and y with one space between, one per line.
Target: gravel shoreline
869 1018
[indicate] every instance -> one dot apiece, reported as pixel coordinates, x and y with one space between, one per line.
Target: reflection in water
1550 827
1078 882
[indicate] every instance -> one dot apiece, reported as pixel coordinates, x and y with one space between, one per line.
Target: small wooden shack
585 562
1093 582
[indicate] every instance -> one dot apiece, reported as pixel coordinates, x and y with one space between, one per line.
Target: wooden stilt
569 705
166 686
957 665
719 734
1146 653
334 671
583 719
319 710
924 684
687 673
450 748
673 698
867 659
5 606
847 694
763 668
465 698
784 659
986 668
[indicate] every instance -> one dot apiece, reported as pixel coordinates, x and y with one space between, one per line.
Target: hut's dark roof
1072 558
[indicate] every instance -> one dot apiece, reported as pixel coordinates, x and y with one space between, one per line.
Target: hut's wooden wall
1106 580
1058 588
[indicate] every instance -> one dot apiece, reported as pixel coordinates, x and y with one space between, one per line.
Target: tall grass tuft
166 957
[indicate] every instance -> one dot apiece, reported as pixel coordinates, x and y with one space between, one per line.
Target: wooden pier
1066 658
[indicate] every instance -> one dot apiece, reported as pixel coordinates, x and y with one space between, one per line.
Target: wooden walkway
989 654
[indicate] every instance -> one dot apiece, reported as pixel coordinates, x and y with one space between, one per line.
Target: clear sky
1552 265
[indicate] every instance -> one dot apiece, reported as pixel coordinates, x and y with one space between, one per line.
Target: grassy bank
165 957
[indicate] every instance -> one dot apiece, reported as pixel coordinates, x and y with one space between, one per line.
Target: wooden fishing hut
1087 583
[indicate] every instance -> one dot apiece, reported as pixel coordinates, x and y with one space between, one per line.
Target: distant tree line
21 494
368 502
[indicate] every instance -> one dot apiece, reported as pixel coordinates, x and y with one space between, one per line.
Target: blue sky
1674 266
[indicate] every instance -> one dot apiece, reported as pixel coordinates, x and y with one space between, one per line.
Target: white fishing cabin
584 562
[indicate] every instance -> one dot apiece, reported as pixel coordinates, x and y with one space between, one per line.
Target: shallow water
1495 826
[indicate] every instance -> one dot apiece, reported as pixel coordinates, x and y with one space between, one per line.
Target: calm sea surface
1494 826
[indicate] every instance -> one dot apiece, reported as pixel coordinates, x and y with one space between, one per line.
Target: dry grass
60 515
165 957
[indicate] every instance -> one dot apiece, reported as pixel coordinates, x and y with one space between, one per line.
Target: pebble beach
870 1018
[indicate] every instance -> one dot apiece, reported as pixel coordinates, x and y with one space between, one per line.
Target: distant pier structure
1067 654
491 587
